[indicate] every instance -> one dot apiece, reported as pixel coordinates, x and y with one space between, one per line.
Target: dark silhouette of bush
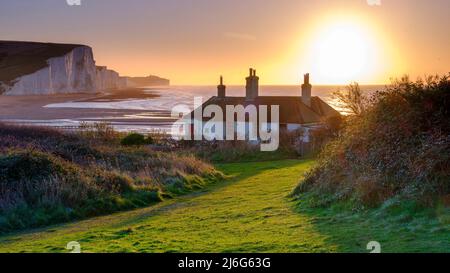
135 139
352 99
29 165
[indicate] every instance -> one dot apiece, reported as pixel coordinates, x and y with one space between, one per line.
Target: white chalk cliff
73 72
108 79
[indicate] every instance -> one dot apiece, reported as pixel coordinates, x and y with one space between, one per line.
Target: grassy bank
397 225
394 150
249 213
47 176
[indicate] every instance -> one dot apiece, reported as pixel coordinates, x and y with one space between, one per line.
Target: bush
399 146
28 165
240 151
36 178
99 130
48 176
136 139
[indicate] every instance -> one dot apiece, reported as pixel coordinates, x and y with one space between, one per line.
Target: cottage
295 112
255 118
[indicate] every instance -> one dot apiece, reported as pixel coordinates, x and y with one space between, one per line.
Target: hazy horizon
192 42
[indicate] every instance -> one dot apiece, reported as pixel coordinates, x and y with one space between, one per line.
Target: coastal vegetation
250 212
135 139
393 151
290 146
48 176
383 176
236 151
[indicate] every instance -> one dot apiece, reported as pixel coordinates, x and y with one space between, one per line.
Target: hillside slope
396 151
48 176
250 213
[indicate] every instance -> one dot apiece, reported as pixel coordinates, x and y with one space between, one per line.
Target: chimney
255 85
249 85
221 89
306 91
252 85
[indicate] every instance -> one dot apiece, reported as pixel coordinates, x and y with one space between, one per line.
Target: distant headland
150 80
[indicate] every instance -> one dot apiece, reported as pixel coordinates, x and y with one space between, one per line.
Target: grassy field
251 212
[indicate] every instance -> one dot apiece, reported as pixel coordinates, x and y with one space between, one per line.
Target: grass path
249 213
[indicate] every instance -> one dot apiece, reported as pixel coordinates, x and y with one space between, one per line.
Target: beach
133 109
35 110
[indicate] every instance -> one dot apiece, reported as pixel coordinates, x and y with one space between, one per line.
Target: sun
343 51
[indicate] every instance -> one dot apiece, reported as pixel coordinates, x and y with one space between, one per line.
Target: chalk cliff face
108 79
73 72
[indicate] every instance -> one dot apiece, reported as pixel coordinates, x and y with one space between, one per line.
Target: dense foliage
47 176
135 139
398 147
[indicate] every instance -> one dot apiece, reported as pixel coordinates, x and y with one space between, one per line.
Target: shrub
352 100
114 182
399 146
37 189
28 165
238 151
136 139
48 176
99 130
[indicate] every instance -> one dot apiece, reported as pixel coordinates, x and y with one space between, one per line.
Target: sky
195 41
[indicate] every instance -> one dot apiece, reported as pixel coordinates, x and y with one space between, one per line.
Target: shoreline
32 110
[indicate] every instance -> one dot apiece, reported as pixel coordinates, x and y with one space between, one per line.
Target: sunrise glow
343 52
192 44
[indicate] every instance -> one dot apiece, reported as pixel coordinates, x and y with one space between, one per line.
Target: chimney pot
221 88
306 78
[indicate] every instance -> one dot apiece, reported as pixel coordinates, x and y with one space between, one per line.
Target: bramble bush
399 146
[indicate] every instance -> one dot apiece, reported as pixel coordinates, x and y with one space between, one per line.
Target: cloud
239 36
374 2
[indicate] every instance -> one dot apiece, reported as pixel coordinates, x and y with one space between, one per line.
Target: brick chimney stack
306 90
221 89
252 85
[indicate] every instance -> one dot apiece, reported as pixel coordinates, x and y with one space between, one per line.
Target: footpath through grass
249 213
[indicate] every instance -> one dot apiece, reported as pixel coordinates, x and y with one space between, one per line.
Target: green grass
249 213
399 227
51 177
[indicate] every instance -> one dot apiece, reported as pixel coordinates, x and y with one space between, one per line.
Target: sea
155 113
